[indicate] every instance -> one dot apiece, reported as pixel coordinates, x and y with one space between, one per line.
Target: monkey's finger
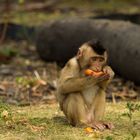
105 70
109 126
108 71
95 127
103 77
98 126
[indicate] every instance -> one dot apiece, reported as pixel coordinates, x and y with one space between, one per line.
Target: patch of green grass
47 122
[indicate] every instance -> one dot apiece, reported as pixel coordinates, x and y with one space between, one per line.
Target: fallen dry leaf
42 82
9 124
36 128
4 114
30 126
23 121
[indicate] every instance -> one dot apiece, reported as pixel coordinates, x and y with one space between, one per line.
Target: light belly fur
89 94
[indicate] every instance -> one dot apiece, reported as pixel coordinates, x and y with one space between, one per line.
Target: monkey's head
93 55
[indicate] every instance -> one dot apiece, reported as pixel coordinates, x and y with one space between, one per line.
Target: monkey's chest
89 94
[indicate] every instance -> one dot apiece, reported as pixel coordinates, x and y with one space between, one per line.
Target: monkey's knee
74 109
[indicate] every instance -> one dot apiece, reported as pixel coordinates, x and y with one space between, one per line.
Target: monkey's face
97 62
89 58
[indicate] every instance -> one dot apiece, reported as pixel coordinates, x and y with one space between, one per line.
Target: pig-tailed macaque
82 84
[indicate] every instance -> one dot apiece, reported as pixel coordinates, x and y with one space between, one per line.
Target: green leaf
109 138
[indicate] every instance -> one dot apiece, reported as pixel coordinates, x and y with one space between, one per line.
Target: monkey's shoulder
72 63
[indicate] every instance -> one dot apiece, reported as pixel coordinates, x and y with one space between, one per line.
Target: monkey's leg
99 110
74 109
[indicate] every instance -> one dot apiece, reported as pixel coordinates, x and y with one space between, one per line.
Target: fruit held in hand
90 72
99 73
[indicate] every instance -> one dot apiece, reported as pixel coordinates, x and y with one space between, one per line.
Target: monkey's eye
94 58
101 59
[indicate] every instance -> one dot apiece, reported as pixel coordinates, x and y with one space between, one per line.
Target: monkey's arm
71 85
70 80
76 84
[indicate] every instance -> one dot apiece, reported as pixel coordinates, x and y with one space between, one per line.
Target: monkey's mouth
96 69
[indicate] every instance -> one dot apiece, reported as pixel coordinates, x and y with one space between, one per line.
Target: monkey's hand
93 80
108 70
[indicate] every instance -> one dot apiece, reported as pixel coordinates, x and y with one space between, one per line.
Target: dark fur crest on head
97 46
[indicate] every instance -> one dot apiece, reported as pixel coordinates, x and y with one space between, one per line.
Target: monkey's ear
79 54
106 56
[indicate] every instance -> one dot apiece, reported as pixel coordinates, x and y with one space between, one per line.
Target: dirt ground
26 79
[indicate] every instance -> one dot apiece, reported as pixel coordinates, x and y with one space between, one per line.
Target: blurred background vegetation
34 12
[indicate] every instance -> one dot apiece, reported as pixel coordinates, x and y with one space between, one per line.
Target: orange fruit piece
97 74
88 72
88 129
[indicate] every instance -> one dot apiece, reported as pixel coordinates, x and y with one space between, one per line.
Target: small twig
37 75
6 20
113 98
4 32
39 79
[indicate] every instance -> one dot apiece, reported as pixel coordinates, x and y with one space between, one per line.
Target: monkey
82 98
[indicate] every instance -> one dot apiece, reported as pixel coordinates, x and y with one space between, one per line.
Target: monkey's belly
89 94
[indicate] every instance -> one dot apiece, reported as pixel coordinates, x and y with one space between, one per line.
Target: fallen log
134 18
59 40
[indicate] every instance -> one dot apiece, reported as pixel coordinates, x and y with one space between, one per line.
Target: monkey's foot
98 126
108 125
102 126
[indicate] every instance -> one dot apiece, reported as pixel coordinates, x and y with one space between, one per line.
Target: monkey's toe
109 126
98 126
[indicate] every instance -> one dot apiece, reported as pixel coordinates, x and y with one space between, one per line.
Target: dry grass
46 122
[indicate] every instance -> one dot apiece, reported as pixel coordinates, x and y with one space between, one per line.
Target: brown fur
81 98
